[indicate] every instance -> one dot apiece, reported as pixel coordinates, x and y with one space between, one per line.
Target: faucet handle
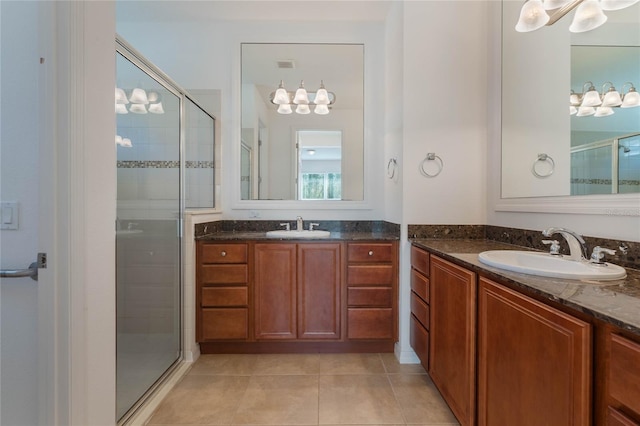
287 226
598 254
555 247
313 225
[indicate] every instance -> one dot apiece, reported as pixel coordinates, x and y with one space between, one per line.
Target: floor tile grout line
395 397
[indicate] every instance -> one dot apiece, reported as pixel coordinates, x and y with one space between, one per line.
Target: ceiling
262 10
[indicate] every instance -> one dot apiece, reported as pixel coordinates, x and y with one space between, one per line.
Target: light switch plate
9 215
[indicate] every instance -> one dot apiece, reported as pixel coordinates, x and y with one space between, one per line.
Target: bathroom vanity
507 348
257 294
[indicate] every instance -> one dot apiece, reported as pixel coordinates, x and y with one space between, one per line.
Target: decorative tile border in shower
154 164
609 182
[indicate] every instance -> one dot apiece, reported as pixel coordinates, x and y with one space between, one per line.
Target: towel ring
392 165
431 157
543 158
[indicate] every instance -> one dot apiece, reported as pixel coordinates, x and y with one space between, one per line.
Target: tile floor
314 389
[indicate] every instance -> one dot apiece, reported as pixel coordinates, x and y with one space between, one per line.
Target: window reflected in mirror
319 164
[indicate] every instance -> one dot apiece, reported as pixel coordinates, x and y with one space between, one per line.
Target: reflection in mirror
599 163
319 164
281 140
245 171
539 69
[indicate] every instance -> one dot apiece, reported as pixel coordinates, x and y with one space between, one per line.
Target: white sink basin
546 265
316 233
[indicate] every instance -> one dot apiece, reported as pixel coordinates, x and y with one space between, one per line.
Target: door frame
79 182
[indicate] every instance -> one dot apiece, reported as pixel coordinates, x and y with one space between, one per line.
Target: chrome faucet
577 245
299 225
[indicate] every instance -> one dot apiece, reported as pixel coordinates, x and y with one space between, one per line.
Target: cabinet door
275 291
534 362
452 350
319 291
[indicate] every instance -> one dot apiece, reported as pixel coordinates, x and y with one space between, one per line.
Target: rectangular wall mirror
302 149
548 150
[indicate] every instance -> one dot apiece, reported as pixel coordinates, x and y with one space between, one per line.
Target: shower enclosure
164 142
610 166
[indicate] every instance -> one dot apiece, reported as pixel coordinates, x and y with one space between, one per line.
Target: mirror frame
370 129
607 204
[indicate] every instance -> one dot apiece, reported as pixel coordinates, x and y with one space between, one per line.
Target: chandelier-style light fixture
139 102
589 14
601 104
302 100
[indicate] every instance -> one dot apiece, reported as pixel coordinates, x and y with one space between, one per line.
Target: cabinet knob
223 253
370 252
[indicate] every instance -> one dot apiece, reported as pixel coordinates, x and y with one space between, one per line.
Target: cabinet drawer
419 340
420 310
370 296
420 284
370 252
225 323
616 418
369 275
223 274
224 253
624 372
224 296
420 260
370 323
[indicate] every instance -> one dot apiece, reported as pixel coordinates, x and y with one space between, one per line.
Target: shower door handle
31 272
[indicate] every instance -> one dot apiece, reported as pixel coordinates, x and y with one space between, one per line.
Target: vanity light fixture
601 104
631 98
140 102
302 100
589 14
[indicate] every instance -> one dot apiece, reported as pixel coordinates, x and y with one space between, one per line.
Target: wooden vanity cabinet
297 291
534 361
419 320
617 375
222 292
372 280
452 346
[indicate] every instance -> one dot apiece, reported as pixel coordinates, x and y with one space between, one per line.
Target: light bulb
284 109
301 95
585 111
121 97
611 98
616 4
156 108
138 96
589 16
303 109
631 99
281 96
322 97
138 109
591 98
321 109
603 111
532 16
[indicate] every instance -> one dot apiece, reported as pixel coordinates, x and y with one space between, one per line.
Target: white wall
442 66
172 45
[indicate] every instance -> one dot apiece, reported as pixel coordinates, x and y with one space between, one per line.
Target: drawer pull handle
370 252
223 254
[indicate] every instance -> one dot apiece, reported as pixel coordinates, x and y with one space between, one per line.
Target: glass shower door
148 232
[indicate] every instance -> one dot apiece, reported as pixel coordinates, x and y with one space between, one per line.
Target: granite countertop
616 302
334 236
